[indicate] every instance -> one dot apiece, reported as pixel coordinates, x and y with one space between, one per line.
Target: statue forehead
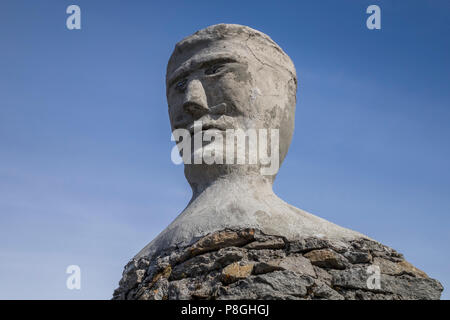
241 43
197 54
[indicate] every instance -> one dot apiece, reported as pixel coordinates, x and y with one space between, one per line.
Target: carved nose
195 99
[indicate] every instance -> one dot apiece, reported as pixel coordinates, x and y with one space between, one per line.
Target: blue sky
85 170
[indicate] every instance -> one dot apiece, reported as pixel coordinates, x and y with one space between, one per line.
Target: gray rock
295 263
412 287
181 289
406 287
322 291
326 258
358 256
308 244
265 255
376 249
368 295
276 285
353 278
398 267
158 291
269 243
323 275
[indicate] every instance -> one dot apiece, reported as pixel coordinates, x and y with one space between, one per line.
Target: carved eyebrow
186 68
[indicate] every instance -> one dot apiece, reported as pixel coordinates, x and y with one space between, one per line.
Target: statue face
223 85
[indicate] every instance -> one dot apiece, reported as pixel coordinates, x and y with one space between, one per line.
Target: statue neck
244 184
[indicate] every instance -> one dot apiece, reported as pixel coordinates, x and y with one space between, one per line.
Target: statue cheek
241 74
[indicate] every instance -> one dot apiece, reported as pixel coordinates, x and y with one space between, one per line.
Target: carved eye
181 84
214 69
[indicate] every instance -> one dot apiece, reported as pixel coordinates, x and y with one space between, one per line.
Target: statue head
231 77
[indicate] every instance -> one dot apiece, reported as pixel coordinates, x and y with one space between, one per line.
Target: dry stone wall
246 264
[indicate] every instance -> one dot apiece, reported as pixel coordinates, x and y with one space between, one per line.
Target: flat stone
398 268
376 249
221 239
285 285
405 286
295 263
356 257
353 278
266 254
236 271
266 267
273 243
413 288
308 244
326 258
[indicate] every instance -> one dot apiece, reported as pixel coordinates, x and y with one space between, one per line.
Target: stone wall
246 264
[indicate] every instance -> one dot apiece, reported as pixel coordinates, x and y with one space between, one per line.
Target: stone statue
231 77
255 83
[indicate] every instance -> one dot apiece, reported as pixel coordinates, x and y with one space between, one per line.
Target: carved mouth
204 127
219 109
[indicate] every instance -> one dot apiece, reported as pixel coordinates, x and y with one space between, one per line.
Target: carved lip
218 109
205 127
